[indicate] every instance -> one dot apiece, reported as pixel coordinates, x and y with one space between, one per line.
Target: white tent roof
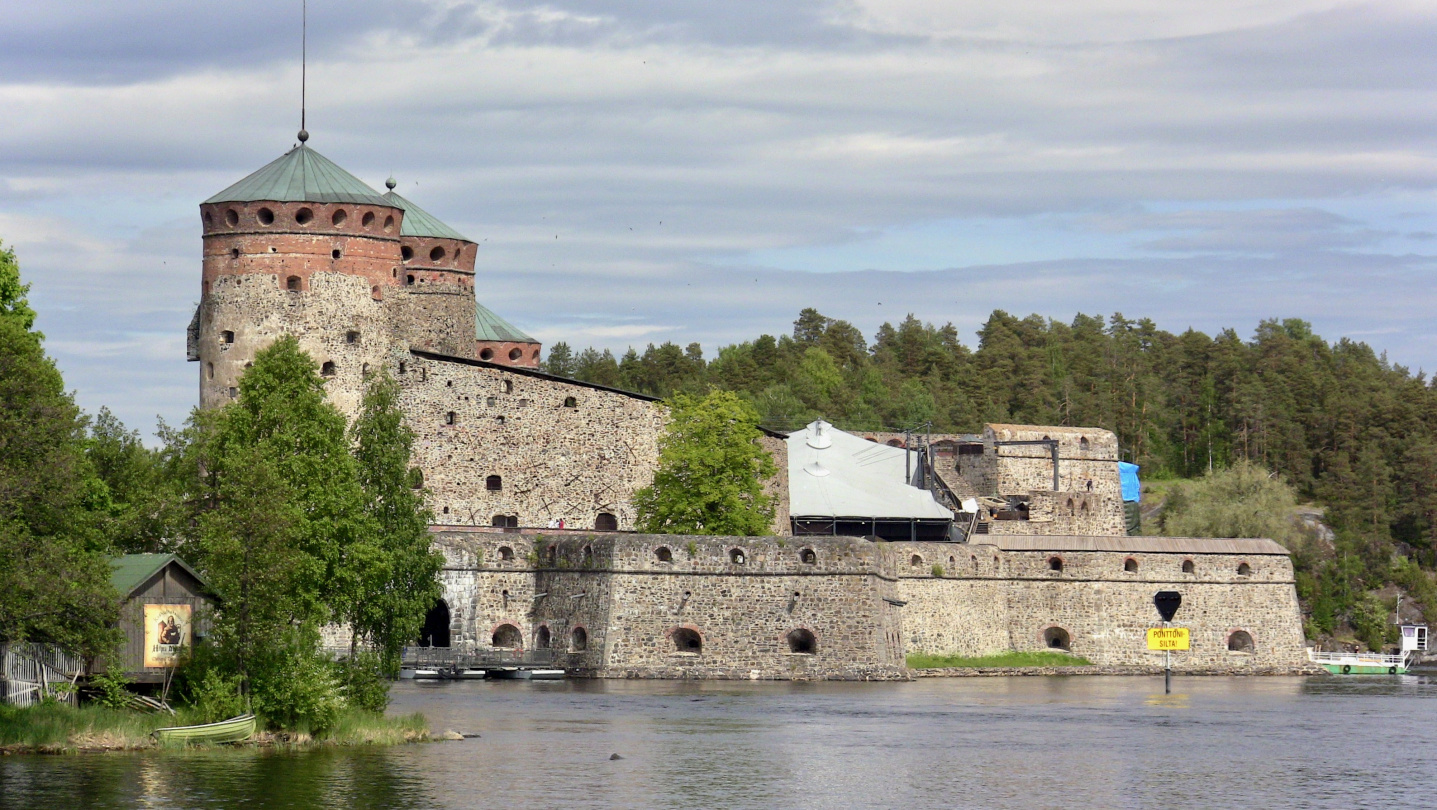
837 474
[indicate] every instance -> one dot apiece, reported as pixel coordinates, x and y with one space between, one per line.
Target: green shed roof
301 175
418 222
133 570
488 326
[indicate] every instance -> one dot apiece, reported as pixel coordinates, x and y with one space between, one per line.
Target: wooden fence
30 672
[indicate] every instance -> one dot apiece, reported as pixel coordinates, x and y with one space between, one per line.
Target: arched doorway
507 635
436 626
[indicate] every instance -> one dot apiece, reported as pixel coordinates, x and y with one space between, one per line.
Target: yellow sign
167 632
1168 638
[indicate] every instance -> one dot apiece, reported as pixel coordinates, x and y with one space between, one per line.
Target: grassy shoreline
1003 659
62 729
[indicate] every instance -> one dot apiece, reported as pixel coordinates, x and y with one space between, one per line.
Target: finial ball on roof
391 183
303 135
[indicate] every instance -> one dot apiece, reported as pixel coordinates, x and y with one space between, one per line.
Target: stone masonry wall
635 595
1105 610
553 460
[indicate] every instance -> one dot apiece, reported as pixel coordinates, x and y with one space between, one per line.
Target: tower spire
303 66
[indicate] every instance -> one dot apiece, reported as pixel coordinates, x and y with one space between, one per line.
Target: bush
110 687
937 570
298 691
216 696
364 682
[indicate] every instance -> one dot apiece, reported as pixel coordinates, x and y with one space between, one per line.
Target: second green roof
488 326
302 175
418 222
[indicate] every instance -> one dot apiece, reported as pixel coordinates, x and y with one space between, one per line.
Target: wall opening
588 556
375 294
436 626
1188 567
351 336
808 556
494 483
303 216
409 280
293 284
508 386
227 337
916 561
1240 641
450 418
210 370
507 636
505 553
736 556
515 354
339 217
388 224
231 217
336 253
328 369
1056 638
542 638
664 554
406 253
505 522
687 641
570 402
1083 444
367 220
437 254
802 642
578 639
1130 565
265 216
1244 570
1055 563
606 522
234 253
486 354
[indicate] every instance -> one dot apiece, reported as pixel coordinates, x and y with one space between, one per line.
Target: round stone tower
299 247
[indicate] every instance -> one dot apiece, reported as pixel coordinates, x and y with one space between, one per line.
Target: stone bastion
622 605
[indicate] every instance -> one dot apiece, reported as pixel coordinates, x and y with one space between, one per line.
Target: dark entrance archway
436 626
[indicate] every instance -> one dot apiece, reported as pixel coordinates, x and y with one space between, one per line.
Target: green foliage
216 696
711 471
296 688
937 570
1370 621
14 306
54 560
397 568
1244 500
364 681
111 687
1045 658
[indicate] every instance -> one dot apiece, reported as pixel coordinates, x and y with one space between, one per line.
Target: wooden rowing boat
231 730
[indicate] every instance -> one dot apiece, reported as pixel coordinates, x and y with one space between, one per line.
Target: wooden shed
165 609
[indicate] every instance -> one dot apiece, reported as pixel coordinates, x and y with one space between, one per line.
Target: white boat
1414 641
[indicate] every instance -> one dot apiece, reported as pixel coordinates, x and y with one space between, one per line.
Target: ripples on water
979 742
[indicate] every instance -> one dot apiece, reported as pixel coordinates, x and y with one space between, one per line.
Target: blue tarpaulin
1128 475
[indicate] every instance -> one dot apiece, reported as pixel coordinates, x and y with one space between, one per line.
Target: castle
1013 540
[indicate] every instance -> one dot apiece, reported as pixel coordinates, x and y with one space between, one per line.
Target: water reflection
1014 742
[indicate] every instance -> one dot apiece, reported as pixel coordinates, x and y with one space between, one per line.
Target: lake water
965 742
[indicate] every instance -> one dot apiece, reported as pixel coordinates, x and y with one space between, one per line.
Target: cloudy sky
648 170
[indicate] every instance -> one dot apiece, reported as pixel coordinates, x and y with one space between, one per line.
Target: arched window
437 254
605 522
687 641
578 639
515 353
570 402
494 483
1056 638
1130 565
1243 570
376 294
368 219
1084 507
1083 444
505 553
916 561
1071 506
1188 567
328 370
338 218
588 556
1055 563
808 556
802 642
507 636
292 283
406 253
1240 641
541 638
409 280
436 626
736 556
663 554
508 386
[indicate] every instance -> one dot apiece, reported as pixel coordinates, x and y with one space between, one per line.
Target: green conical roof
488 326
301 175
418 222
